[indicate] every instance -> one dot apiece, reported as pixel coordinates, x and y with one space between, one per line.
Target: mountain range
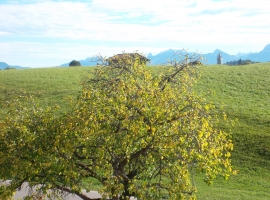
209 58
165 56
4 65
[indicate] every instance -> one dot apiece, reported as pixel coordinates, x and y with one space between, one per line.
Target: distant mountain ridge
211 58
169 55
208 58
4 65
262 56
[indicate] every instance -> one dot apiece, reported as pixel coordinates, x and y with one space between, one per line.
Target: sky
46 33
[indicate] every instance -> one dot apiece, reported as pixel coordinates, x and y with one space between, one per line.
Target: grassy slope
244 91
51 85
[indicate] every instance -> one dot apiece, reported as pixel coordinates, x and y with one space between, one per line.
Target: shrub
74 63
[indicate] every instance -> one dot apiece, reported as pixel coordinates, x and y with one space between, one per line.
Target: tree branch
83 196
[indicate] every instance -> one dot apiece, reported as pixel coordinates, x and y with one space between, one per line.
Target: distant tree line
240 62
8 68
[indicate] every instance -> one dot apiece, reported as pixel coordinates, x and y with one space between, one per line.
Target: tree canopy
138 131
74 63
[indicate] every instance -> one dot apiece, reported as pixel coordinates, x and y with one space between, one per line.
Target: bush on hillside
74 63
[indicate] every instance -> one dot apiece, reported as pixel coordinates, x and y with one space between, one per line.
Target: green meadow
242 91
244 94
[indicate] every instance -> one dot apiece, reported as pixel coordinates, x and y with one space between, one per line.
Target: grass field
243 91
51 85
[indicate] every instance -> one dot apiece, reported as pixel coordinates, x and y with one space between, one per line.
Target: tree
74 63
139 132
240 62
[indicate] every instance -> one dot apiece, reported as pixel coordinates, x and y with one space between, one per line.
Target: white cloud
113 25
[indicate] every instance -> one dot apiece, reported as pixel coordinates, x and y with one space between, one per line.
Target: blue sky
45 33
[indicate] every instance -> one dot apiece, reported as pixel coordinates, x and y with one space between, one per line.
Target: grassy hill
243 91
50 85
